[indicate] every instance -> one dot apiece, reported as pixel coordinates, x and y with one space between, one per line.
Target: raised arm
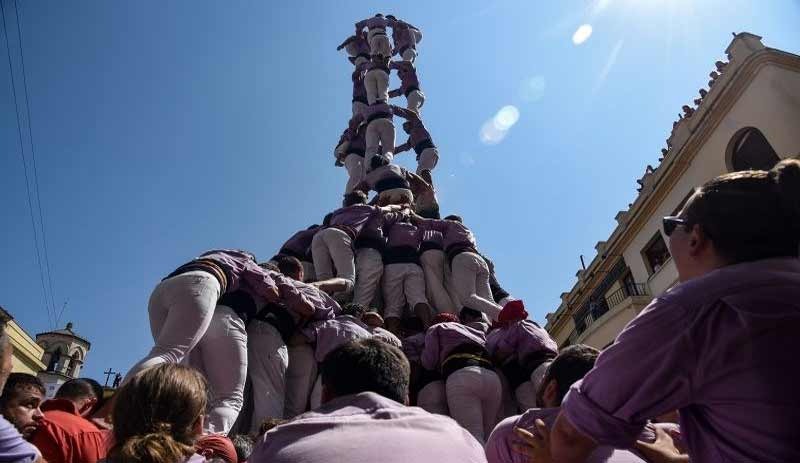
346 42
360 26
395 93
406 114
402 148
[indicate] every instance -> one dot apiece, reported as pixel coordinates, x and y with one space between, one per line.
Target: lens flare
582 34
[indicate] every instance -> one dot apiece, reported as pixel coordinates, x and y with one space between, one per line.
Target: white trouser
379 43
354 164
525 396
333 255
268 359
432 398
358 108
379 138
409 54
299 379
473 396
316 394
402 283
537 377
369 269
221 355
376 81
428 159
414 100
433 264
308 271
180 311
470 280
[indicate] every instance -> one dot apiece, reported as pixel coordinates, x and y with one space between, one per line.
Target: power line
25 165
33 160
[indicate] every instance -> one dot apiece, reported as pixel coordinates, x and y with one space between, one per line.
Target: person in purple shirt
389 180
360 95
409 85
299 246
376 80
473 389
375 323
328 335
357 48
350 153
721 345
520 347
369 247
570 366
469 276
419 139
363 417
379 136
379 43
405 38
332 247
403 280
432 259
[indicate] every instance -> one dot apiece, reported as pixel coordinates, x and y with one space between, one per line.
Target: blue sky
163 129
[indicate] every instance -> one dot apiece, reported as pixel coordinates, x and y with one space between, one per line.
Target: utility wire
33 160
25 166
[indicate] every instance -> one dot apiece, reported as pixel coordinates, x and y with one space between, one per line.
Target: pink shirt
386 336
330 334
520 340
368 428
455 233
720 348
498 446
373 22
442 338
413 347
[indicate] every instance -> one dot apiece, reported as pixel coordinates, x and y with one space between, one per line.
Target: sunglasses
671 222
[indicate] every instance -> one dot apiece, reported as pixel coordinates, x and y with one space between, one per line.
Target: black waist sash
466 355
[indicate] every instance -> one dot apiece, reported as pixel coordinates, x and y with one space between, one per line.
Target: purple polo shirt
386 336
720 348
330 334
367 428
13 447
373 22
402 35
403 235
413 346
442 338
520 339
383 173
352 217
499 450
373 229
432 239
455 233
300 243
325 307
407 74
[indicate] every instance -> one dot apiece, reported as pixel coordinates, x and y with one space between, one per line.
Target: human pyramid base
383 334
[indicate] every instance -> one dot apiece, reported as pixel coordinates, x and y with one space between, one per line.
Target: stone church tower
64 354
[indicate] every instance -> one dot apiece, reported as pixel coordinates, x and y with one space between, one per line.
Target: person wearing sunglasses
721 345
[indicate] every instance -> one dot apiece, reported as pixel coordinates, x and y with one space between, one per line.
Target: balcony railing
628 290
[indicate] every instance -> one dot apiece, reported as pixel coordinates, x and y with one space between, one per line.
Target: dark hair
155 413
99 392
378 160
327 219
269 266
367 365
77 389
243 443
289 266
356 310
311 227
570 365
18 382
466 313
453 217
430 213
355 197
752 214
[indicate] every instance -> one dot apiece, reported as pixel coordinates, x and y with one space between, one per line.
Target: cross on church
108 374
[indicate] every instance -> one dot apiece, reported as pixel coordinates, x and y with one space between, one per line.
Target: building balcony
601 325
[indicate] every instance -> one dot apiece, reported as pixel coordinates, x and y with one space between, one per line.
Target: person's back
367 427
363 419
65 436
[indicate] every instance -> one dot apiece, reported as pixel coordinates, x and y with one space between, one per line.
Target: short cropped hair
76 389
367 365
289 266
455 218
355 197
569 366
18 382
